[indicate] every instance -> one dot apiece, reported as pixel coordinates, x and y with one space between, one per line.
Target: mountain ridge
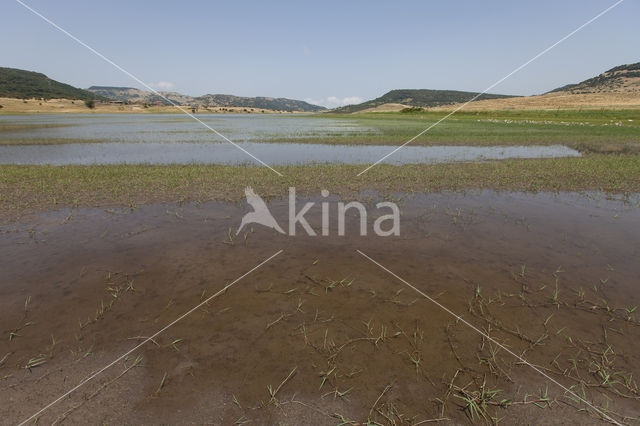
611 85
130 94
23 84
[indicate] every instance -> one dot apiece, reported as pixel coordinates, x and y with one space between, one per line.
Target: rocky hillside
281 104
129 94
620 79
21 84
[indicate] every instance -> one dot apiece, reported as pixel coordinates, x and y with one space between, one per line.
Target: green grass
586 130
30 188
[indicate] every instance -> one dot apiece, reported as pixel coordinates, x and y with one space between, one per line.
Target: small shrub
412 109
90 103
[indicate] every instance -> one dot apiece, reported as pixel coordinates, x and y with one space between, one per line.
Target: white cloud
334 101
162 85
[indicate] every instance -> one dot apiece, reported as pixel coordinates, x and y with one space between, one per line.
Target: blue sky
327 52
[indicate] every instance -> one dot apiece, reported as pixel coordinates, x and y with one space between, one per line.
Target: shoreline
20 107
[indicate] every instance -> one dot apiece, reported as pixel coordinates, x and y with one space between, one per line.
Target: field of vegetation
589 130
609 141
26 189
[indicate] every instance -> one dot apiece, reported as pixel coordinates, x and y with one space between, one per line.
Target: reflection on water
175 127
271 153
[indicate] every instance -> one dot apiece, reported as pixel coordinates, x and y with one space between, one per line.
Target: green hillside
15 83
418 98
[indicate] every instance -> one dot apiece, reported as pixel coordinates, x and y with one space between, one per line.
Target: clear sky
328 52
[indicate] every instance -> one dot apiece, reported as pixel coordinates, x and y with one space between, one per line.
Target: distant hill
129 94
620 79
281 104
418 98
15 83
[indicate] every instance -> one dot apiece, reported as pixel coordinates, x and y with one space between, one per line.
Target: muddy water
552 277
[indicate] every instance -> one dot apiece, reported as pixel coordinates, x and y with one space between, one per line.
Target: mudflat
321 334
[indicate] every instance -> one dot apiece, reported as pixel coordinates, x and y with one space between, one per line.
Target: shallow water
271 153
175 127
176 139
496 259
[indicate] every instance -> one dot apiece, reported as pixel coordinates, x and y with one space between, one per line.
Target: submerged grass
31 188
10 127
356 359
47 141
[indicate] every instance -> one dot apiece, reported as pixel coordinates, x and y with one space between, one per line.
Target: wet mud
320 334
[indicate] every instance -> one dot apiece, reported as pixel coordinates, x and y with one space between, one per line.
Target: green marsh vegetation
587 131
609 140
30 188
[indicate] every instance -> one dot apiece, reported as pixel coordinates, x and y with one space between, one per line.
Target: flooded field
176 139
277 154
172 127
320 334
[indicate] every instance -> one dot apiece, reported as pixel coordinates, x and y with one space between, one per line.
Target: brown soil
80 289
557 100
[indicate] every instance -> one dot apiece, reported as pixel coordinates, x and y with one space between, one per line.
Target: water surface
271 153
176 127
546 274
177 139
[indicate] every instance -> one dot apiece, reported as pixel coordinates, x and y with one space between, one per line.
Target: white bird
260 214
